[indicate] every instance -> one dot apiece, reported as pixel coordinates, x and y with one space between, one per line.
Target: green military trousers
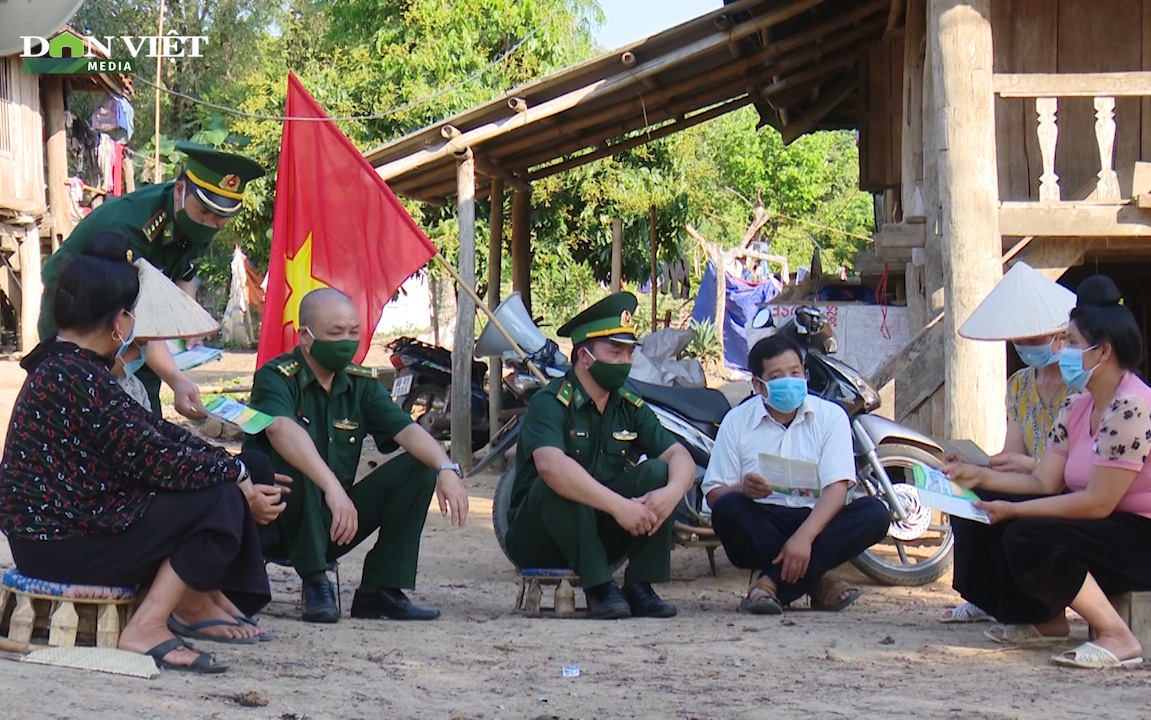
393 498
550 531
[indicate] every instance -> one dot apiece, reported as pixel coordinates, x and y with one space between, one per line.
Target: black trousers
209 535
753 534
1029 570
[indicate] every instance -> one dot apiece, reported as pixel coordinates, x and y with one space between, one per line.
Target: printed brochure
936 491
250 421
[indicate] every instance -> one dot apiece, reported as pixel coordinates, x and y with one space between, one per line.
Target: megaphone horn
515 318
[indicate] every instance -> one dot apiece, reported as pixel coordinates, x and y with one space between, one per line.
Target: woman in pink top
1078 527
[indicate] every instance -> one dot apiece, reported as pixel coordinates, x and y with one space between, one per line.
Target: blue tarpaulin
743 298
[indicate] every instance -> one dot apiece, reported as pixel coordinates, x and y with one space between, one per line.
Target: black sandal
202 664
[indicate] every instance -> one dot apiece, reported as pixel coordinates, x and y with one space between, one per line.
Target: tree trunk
464 345
521 246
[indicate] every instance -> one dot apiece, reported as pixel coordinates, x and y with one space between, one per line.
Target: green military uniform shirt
562 415
145 216
337 422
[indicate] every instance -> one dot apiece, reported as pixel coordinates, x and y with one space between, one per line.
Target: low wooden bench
530 599
95 613
1135 609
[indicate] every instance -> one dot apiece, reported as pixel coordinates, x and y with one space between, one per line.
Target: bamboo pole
465 336
157 175
495 257
616 254
972 247
654 277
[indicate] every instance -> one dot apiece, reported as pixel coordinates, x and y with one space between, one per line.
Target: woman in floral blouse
93 490
1078 527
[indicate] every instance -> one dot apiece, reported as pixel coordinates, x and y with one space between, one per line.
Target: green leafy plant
705 345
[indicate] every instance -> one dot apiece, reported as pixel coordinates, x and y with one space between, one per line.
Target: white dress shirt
820 434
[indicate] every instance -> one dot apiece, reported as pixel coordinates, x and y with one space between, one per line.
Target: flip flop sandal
965 612
268 634
202 664
1093 657
764 602
1020 635
195 631
838 592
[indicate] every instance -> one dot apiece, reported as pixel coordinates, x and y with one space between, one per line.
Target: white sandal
1093 657
1020 635
965 612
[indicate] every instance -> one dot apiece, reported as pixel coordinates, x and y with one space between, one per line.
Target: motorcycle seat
704 405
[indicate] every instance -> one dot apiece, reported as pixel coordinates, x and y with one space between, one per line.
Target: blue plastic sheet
743 300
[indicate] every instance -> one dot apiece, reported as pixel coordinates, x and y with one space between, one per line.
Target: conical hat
1024 304
165 311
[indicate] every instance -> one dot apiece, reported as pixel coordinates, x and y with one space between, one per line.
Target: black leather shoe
320 602
645 603
606 602
389 603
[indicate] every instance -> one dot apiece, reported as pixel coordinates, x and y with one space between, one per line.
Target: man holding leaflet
792 539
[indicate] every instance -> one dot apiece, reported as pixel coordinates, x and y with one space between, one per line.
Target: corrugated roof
793 59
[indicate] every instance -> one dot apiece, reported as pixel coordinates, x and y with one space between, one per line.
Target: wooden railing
1046 90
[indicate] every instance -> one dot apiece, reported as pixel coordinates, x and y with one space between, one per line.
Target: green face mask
335 355
609 376
190 229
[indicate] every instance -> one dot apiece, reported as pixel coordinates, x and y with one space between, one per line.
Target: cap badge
625 318
230 182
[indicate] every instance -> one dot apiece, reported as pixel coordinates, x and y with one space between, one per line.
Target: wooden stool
1135 609
529 598
92 610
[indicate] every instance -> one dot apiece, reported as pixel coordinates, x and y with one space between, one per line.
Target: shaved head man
324 406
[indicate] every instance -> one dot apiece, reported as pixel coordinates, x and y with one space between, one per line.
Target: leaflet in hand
790 477
197 356
250 421
936 491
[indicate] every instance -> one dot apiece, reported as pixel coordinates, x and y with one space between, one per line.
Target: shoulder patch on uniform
564 394
361 371
155 224
287 369
631 397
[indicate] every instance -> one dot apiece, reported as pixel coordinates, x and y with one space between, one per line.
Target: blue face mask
125 342
1072 370
785 394
132 366
1036 356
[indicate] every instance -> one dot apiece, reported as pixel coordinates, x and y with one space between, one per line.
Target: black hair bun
1098 291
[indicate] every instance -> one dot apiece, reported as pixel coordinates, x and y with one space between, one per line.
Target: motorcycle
919 544
422 387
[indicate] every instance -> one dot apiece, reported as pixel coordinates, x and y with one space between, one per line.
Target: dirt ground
886 656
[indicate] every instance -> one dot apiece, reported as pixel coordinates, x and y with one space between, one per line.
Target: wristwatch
453 466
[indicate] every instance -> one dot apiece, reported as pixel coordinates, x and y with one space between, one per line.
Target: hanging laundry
116 117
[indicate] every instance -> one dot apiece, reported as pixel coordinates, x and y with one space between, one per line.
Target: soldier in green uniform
170 225
578 499
324 406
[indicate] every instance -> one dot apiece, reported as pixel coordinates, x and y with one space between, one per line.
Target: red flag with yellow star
335 224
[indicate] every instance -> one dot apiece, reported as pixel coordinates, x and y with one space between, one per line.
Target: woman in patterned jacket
95 491
1078 527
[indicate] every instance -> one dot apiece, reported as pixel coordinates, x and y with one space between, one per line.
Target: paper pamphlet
197 356
250 421
966 451
936 491
790 477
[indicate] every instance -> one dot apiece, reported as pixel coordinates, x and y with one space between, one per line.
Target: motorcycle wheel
501 503
424 403
906 562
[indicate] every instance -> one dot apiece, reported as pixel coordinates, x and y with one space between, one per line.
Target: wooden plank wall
1069 36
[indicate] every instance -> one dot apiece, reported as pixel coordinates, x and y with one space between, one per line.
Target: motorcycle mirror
762 318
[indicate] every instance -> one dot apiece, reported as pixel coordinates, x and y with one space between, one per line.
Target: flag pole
491 317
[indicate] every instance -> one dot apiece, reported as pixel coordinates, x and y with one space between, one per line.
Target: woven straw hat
164 311
1024 304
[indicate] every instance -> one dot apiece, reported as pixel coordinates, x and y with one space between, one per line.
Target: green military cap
608 319
218 178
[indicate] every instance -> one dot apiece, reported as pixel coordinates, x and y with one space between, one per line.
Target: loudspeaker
514 317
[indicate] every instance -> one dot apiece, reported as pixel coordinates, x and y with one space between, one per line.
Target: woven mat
107 660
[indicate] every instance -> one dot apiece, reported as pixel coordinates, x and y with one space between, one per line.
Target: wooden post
30 289
933 243
434 287
911 177
129 175
969 195
465 338
521 246
52 87
654 277
616 254
157 173
495 255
